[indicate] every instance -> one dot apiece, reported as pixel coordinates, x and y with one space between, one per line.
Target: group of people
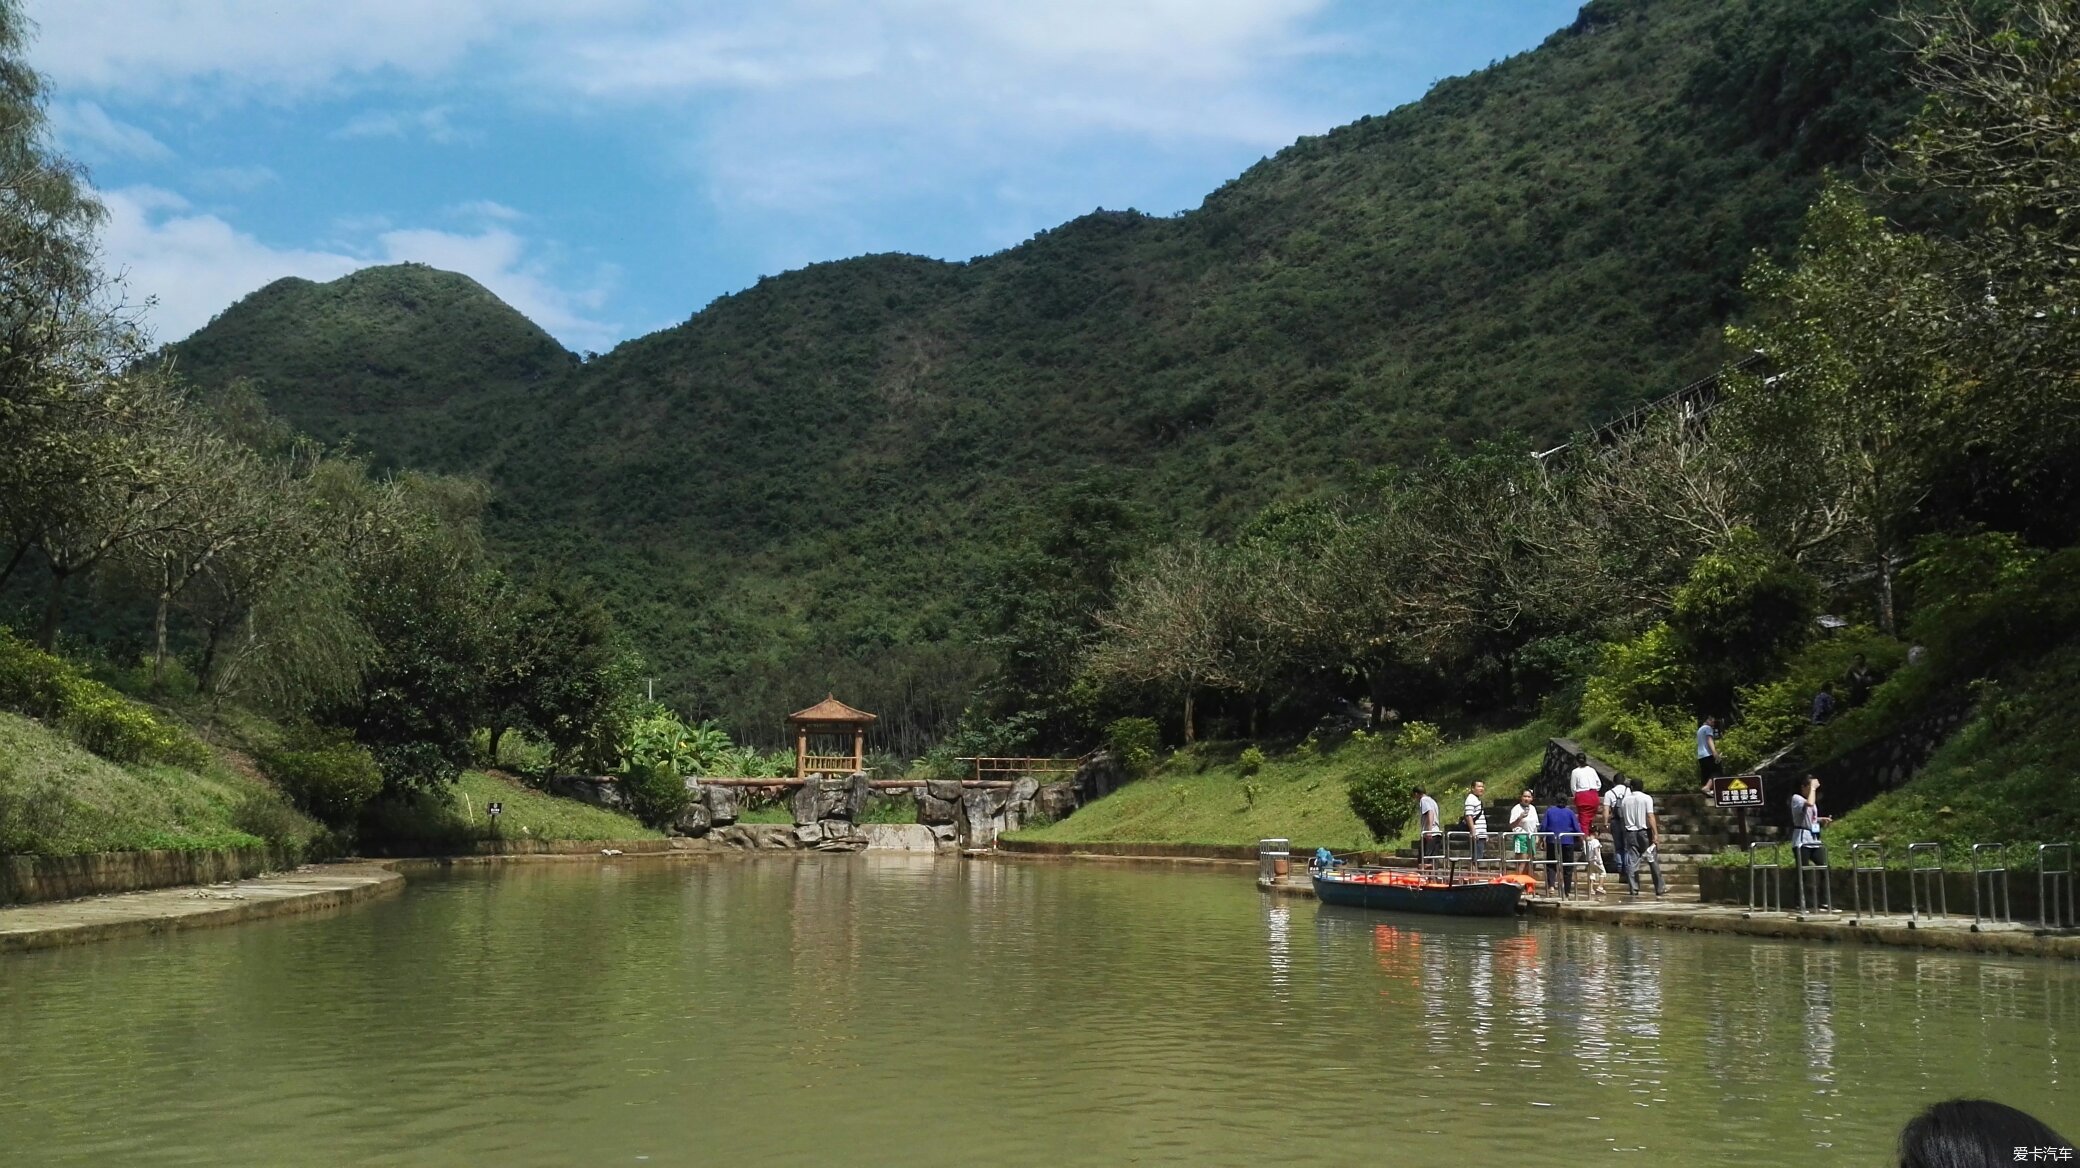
1573 831
1857 684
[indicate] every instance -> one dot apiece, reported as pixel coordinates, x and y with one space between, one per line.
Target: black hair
1581 758
1972 1133
1421 791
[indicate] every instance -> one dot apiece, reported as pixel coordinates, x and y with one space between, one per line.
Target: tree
1838 446
1171 625
562 670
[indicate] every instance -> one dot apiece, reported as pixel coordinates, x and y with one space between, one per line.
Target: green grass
532 814
1202 795
56 798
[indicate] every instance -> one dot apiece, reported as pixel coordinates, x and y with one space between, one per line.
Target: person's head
1480 788
1526 797
1859 659
1420 793
1972 1133
1712 720
1828 689
1581 758
1810 787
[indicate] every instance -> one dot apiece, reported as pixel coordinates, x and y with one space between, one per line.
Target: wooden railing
986 767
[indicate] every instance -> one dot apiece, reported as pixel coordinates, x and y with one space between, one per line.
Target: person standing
1476 819
1523 829
1614 819
1708 751
1860 681
1806 822
1430 830
1823 705
1587 786
1563 835
1642 834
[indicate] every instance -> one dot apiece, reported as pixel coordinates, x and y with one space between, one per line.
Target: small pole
649 689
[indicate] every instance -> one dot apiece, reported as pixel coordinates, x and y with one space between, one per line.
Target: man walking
1430 831
1708 751
1642 833
1614 819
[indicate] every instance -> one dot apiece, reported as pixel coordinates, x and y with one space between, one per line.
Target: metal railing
2055 908
1569 878
1925 892
1819 874
1867 872
1990 886
1269 853
1764 895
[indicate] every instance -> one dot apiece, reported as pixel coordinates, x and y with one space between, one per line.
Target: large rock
1053 801
840 835
1100 775
598 790
859 791
979 817
944 790
937 811
821 797
694 820
722 804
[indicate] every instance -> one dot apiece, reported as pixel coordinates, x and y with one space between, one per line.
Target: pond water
868 1011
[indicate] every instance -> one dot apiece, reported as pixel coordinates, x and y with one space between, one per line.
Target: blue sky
611 166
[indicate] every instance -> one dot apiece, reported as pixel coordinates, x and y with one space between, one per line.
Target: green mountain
808 483
410 363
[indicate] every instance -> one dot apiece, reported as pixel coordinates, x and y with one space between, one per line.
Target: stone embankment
829 812
166 910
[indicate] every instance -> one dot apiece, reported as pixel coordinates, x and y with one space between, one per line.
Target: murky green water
868 1011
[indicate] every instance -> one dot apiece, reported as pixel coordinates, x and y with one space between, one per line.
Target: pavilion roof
830 709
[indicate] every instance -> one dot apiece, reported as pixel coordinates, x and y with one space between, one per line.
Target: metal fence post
1867 867
1452 858
1925 892
1772 896
1996 907
2055 908
1269 852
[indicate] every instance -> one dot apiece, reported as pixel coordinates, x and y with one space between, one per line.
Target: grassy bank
1207 795
458 817
57 798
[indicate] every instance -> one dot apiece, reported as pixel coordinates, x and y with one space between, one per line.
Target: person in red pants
1588 791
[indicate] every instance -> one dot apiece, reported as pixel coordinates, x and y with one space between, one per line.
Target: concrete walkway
163 910
1954 933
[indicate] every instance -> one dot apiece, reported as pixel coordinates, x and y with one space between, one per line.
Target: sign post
1739 794
495 809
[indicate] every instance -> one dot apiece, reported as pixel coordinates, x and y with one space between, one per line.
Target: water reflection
913 1012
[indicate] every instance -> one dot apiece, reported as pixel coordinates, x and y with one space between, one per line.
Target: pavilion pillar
859 749
801 751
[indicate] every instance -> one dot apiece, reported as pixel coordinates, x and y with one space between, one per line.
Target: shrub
273 821
1135 741
94 715
1775 713
1251 760
1384 797
1419 738
656 794
332 781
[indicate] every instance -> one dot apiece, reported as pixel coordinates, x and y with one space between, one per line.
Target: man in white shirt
1476 818
1429 829
1642 832
1614 819
1523 829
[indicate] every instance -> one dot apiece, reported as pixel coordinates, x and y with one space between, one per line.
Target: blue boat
1398 892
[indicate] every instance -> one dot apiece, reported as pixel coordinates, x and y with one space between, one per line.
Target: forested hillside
851 474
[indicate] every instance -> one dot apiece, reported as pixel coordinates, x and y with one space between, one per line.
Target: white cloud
86 128
435 125
193 264
499 260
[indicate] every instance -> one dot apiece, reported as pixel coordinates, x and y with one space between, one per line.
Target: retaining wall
33 879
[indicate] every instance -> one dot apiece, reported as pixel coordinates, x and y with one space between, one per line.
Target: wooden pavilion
827 720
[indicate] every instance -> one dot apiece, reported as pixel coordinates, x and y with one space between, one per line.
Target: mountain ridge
814 472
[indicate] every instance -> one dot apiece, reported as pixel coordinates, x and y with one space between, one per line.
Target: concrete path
1685 912
162 910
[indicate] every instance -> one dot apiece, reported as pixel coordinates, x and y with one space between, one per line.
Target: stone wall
30 879
1868 771
827 812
